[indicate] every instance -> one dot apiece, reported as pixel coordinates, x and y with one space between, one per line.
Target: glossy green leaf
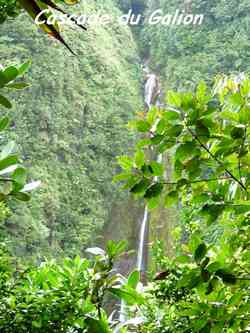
18 85
153 191
134 279
200 252
4 123
5 102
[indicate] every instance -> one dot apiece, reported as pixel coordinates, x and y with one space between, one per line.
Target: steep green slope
185 54
70 125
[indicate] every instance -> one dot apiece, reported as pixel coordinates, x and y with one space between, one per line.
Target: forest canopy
132 228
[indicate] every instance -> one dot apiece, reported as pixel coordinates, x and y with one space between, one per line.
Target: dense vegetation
183 55
206 287
70 126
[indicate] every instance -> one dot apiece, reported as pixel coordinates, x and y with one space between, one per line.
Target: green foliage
65 296
13 174
206 287
184 55
70 126
8 9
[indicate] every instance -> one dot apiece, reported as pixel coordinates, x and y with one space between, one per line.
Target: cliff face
70 126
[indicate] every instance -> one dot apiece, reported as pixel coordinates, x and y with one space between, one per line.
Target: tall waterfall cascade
151 89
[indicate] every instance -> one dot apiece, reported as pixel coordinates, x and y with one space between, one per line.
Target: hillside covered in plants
124 168
70 126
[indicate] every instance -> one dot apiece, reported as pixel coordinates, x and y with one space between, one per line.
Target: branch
216 159
198 181
208 151
6 180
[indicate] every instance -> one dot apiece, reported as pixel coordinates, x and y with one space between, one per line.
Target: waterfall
142 236
151 90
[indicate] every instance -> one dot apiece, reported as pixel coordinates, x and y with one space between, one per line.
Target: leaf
152 115
121 176
174 131
186 151
140 187
134 279
4 123
201 91
142 143
19 175
7 149
244 115
200 324
18 86
147 170
121 247
153 191
171 198
226 276
37 324
161 127
182 182
114 249
142 126
236 99
217 327
229 115
202 130
8 161
129 295
200 252
174 99
131 322
190 279
139 158
31 186
238 132
125 162
96 251
21 196
153 202
166 144
157 168
156 139
9 169
33 9
235 299
99 325
24 67
205 275
10 73
5 102
183 259
131 181
171 115
214 266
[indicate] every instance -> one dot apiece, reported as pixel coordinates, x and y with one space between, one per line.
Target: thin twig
216 159
6 180
198 181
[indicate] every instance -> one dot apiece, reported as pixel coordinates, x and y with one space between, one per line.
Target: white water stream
151 89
